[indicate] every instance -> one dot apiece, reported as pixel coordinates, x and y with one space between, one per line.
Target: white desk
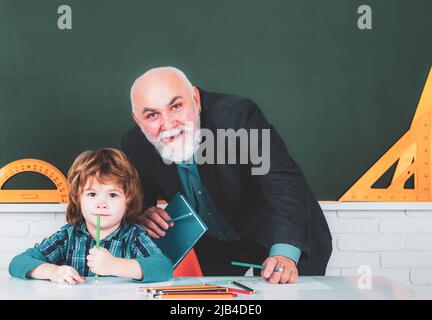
310 288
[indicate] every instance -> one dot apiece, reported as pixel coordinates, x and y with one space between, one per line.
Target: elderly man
270 218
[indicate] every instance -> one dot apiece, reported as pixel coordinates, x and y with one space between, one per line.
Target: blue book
187 230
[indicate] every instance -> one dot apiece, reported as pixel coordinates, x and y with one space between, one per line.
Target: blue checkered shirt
70 246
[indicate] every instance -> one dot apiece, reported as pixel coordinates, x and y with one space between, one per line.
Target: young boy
102 183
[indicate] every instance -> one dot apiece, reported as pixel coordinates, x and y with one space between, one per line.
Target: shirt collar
187 164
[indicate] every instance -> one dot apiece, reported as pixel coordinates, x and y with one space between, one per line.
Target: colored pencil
179 218
178 287
243 286
216 295
96 277
241 291
250 265
191 291
208 289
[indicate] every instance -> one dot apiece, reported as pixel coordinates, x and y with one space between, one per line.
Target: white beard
182 149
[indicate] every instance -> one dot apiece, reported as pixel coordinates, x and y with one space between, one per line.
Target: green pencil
256 266
179 218
96 277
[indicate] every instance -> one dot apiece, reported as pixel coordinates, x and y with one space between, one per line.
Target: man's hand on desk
288 275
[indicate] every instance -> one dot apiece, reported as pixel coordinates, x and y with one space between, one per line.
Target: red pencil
240 291
196 295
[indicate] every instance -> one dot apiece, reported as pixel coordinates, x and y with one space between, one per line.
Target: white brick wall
13 229
394 239
421 242
22 230
370 242
421 276
396 243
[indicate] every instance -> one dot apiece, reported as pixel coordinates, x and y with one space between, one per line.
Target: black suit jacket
278 207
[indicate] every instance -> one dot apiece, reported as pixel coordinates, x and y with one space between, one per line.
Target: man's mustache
170 133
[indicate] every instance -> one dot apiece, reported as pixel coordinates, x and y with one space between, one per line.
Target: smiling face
105 199
166 108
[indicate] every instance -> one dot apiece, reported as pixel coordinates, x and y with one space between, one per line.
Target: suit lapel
208 172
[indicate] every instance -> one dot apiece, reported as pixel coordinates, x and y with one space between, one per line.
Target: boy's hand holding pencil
101 261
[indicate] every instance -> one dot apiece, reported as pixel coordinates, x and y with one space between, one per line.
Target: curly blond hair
104 165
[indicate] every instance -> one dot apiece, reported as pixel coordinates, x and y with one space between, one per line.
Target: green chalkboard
339 96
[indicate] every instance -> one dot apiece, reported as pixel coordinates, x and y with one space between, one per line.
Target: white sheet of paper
258 283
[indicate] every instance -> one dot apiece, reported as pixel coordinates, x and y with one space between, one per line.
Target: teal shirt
70 246
219 227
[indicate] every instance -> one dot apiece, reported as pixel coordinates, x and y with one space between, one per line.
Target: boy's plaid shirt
70 246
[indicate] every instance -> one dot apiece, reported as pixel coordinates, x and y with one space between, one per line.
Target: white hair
170 69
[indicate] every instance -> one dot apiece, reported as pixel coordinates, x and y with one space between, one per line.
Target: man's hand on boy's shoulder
154 220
